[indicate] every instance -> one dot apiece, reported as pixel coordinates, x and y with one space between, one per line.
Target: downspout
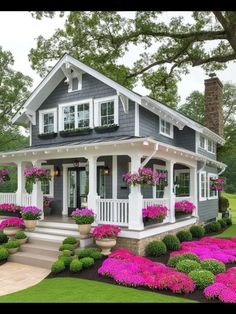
149 157
222 170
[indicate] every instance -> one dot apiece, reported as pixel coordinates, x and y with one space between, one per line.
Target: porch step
45 237
41 250
29 258
57 225
43 242
56 231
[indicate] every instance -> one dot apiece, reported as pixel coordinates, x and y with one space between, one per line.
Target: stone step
28 258
43 242
57 225
40 250
54 231
45 237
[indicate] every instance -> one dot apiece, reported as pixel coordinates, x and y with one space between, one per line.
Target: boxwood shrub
66 260
12 244
68 247
202 278
58 266
222 223
87 262
172 242
66 253
187 265
156 248
228 221
172 262
3 238
86 252
184 235
76 266
3 254
70 240
96 255
20 235
213 266
197 232
213 226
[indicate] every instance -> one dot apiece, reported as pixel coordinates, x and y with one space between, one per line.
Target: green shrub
12 244
172 262
213 226
228 221
187 265
76 266
222 223
223 204
86 252
96 255
172 242
87 262
3 254
213 266
66 253
197 232
70 240
68 247
20 235
3 238
202 278
58 266
66 260
156 248
184 235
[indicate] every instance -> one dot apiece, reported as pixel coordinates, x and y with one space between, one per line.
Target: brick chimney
214 105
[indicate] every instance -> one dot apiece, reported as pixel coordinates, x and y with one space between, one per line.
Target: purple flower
83 212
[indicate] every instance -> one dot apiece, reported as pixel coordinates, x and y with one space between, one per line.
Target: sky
18 33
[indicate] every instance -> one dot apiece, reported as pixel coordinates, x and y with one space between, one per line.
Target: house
88 131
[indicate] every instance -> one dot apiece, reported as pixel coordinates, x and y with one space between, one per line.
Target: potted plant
105 236
184 208
35 174
12 246
145 176
106 128
224 206
21 237
11 226
47 206
31 214
154 214
8 209
83 218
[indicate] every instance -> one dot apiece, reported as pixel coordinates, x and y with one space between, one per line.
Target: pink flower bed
130 270
224 288
220 249
105 231
155 212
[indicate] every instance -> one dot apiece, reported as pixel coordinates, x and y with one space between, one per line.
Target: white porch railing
179 199
8 198
26 199
113 211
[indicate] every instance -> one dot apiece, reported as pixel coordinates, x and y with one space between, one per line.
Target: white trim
51 182
155 168
211 175
30 134
200 188
97 108
136 115
42 113
171 135
114 177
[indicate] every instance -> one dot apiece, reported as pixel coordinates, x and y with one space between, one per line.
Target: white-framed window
106 111
202 186
212 194
202 142
210 146
182 180
78 114
206 144
48 121
166 128
48 187
159 189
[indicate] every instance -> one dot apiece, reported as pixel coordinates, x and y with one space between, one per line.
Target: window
212 194
159 189
182 179
75 81
207 144
202 186
69 118
202 141
107 113
210 146
166 128
214 148
48 121
83 115
47 187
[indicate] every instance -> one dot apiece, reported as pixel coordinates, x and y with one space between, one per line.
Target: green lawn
81 290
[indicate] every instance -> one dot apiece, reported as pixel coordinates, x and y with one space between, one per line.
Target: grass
65 290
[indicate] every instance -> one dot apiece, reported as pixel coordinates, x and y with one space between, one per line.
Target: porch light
106 171
56 172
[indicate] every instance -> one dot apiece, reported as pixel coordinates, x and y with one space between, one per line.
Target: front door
77 191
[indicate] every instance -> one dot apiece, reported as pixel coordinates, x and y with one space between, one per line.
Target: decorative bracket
125 102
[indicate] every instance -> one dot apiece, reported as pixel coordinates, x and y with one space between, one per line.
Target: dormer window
166 128
48 121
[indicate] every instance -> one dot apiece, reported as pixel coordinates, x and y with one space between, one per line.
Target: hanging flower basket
145 176
37 174
4 176
154 214
217 184
184 208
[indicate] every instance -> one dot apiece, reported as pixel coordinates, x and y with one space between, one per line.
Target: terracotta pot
11 231
30 225
13 250
84 230
106 245
22 241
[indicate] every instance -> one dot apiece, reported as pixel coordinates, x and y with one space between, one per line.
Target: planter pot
13 250
152 221
11 231
30 225
106 245
225 214
108 129
84 230
47 136
22 241
183 215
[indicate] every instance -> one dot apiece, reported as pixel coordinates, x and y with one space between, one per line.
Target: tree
101 39
194 106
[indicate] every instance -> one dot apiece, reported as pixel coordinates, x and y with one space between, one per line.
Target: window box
106 128
149 222
75 132
47 136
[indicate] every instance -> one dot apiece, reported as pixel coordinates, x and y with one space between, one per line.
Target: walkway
15 277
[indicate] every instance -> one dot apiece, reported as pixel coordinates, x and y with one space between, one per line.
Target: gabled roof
55 76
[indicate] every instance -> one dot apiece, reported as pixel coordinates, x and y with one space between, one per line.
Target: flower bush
105 231
4 176
224 287
83 216
9 207
145 176
37 174
184 207
217 184
31 213
154 213
46 202
130 270
12 222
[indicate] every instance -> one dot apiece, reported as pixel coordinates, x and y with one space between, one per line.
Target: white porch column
169 190
193 189
92 194
37 194
114 177
135 198
20 183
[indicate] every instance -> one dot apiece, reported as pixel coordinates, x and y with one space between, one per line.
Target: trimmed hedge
187 265
57 267
202 278
228 221
172 242
3 254
87 262
66 260
213 266
213 226
70 240
76 266
184 235
172 262
68 247
156 248
197 232
222 223
3 238
87 252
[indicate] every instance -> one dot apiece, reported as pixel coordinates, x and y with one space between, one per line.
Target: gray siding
91 88
122 168
208 209
206 153
149 126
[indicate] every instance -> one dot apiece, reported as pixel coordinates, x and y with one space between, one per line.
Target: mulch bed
2 262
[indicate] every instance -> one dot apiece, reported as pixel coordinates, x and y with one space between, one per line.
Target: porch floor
62 219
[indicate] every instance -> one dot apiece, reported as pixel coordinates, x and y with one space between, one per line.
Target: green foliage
184 235
66 260
58 266
66 253
68 247
3 238
87 262
76 266
12 244
70 240
213 226
213 266
223 204
156 248
96 255
202 278
194 100
172 242
3 254
172 262
20 235
222 223
187 265
83 220
86 252
197 232
228 221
